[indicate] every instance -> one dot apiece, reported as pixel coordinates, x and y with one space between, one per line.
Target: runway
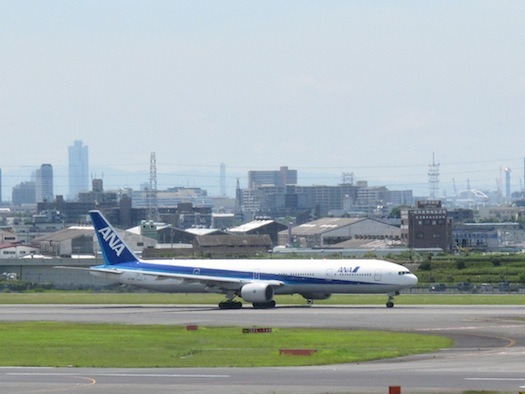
489 351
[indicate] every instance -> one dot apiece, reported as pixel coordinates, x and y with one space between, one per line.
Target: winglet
114 249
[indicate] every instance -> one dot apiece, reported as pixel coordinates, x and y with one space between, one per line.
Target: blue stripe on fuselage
141 266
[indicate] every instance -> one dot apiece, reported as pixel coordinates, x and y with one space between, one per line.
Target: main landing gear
390 302
230 303
264 305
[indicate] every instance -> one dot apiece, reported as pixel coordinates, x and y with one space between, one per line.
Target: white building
16 251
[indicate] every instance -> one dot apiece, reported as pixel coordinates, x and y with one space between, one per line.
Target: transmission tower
433 178
151 196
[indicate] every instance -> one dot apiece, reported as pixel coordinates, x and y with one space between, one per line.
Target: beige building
81 240
328 232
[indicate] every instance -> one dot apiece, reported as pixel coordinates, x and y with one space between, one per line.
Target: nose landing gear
390 301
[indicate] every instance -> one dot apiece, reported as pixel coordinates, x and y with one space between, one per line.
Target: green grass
214 299
474 268
110 345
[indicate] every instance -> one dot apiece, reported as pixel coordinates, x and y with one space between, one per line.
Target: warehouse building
260 227
328 232
80 240
223 246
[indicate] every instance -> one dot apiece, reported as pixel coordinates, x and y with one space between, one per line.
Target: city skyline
215 180
328 87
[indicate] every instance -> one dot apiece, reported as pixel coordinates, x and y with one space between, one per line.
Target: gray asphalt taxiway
488 355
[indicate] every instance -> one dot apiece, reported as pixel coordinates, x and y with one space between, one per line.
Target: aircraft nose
412 279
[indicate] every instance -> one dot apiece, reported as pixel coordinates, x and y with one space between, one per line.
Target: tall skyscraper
223 180
44 183
78 169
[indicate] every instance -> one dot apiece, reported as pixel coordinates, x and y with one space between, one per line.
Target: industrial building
488 237
15 251
260 227
80 240
224 246
330 232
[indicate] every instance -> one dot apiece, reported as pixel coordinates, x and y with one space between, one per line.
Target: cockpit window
403 272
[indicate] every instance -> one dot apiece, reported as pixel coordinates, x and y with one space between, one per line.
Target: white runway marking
498 379
129 375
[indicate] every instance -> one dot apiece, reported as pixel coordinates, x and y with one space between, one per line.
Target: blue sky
370 87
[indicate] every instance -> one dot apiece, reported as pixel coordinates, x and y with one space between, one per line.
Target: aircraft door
329 274
257 274
377 275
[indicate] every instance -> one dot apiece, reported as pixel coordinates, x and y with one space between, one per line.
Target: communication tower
433 178
151 196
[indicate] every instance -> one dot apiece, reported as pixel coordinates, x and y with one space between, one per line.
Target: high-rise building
223 180
279 178
24 193
78 169
44 183
507 182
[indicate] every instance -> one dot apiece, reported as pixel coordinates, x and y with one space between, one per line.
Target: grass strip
214 299
54 344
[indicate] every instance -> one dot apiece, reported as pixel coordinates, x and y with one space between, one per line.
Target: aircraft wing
216 280
193 278
107 270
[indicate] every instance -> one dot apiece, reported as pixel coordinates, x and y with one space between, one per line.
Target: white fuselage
286 276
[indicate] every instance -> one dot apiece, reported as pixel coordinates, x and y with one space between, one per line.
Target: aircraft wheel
389 304
264 305
230 305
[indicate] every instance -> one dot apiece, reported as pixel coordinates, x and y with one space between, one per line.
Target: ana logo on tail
113 241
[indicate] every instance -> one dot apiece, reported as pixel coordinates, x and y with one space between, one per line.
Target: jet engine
257 292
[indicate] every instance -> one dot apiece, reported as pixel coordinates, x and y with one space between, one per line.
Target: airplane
255 281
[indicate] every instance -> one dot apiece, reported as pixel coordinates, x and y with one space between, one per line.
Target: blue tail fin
114 250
